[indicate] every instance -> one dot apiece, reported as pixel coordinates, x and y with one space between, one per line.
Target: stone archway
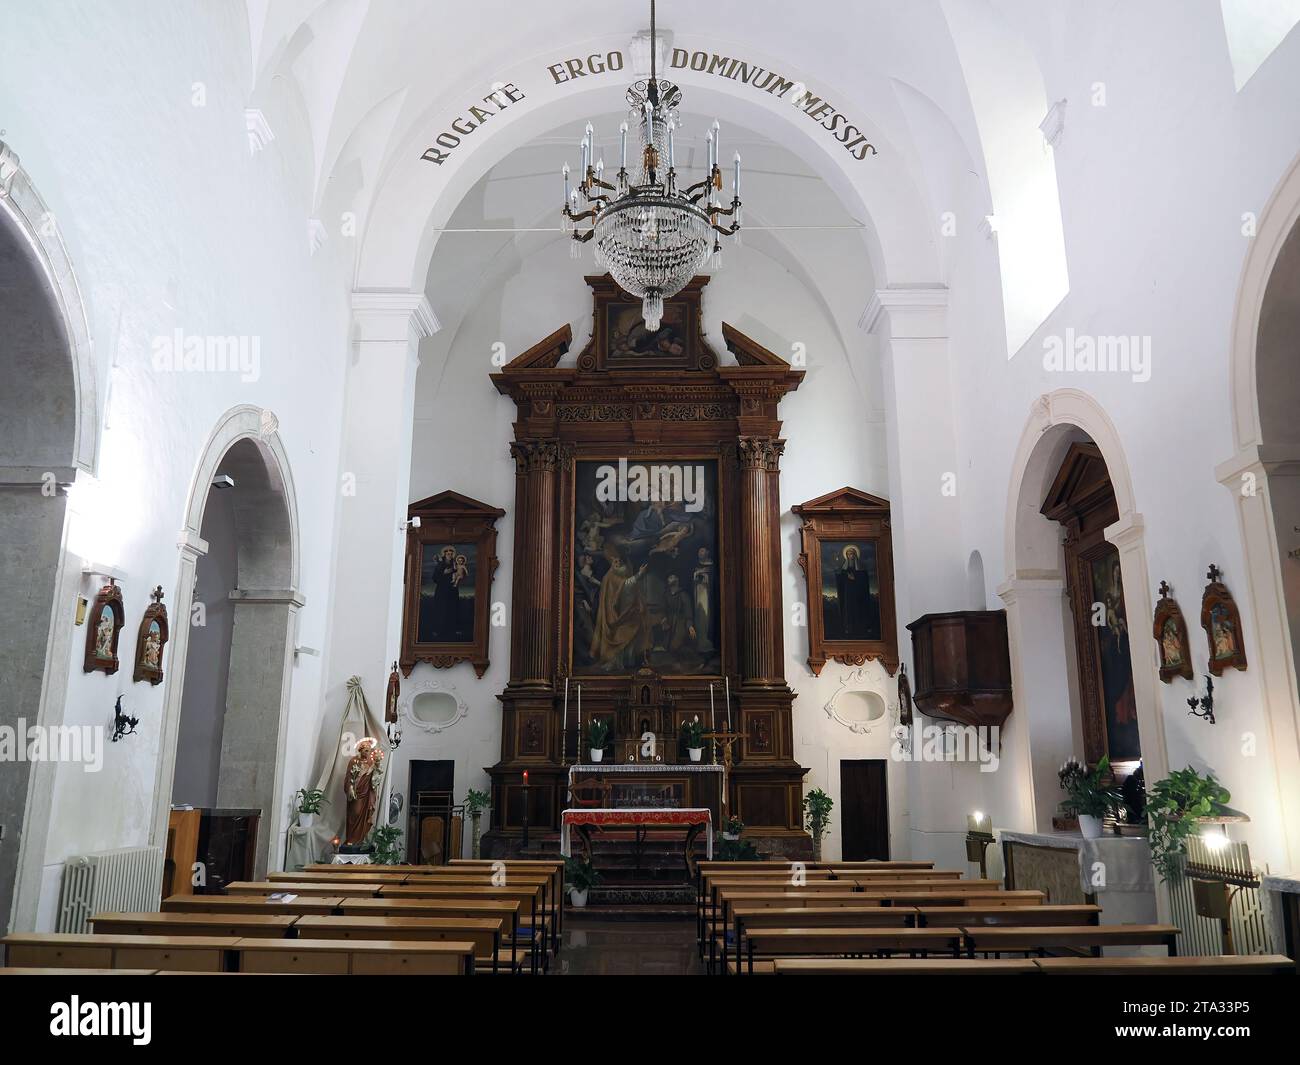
245 447
49 431
1044 670
1263 474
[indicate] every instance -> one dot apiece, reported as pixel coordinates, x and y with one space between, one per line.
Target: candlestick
600 168
582 145
622 146
564 739
566 183
713 717
580 722
717 142
735 181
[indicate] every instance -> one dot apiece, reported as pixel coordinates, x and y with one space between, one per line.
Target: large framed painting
621 341
450 561
847 558
646 580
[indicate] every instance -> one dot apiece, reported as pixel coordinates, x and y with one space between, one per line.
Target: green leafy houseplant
736 850
817 806
580 876
597 734
1088 791
693 733
475 803
1173 807
309 800
386 845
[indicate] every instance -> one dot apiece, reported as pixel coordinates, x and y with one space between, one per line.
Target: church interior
651 489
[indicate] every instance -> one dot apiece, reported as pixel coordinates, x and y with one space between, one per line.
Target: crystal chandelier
650 235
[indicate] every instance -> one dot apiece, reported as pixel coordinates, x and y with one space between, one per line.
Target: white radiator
129 879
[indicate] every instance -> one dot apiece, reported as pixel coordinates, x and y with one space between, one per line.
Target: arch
245 445
395 254
49 430
1034 593
1262 472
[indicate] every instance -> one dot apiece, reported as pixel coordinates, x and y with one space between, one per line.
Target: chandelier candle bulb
735 181
566 182
717 142
622 146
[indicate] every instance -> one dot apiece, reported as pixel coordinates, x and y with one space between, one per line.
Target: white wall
171 224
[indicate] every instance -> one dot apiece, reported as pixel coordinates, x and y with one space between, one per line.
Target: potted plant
694 733
580 876
308 803
732 828
817 807
475 803
1088 794
386 845
597 735
1176 807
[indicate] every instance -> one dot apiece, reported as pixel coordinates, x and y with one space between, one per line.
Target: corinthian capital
759 452
536 456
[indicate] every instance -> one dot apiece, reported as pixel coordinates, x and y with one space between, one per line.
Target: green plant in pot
1176 806
475 803
580 876
693 732
817 806
308 802
1089 794
386 845
597 737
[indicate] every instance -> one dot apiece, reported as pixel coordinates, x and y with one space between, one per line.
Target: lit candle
735 181
525 778
622 146
713 717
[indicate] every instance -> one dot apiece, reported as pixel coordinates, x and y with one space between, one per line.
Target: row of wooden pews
459 919
909 918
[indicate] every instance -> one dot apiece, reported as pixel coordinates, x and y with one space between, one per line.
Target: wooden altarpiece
647 398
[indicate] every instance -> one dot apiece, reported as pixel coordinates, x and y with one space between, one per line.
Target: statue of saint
365 772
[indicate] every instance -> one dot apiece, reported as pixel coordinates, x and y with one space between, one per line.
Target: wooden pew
241 904
323 889
63 950
964 916
238 925
744 918
1213 965
378 874
716 916
903 967
554 865
506 910
541 882
948 887
956 898
17 970
483 932
773 942
355 957
1039 938
530 895
874 875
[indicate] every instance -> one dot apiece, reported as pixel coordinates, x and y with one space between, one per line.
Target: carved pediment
451 504
844 501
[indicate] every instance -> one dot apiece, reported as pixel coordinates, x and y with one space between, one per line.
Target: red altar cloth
649 817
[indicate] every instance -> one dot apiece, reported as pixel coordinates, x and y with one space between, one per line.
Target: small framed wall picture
107 616
151 640
1222 624
1170 632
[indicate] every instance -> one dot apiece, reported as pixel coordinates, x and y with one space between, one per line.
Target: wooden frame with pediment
848 514
446 519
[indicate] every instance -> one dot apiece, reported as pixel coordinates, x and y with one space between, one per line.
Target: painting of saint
1112 638
447 578
645 587
850 590
1171 646
629 339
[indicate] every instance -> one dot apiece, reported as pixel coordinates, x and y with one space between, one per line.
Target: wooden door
864 824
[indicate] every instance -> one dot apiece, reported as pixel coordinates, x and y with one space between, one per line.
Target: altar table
693 818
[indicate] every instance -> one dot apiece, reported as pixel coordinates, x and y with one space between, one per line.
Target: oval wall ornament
408 704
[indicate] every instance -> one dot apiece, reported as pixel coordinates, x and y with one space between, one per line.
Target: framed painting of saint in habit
450 560
847 558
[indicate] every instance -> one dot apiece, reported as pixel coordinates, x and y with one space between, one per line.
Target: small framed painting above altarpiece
450 561
847 558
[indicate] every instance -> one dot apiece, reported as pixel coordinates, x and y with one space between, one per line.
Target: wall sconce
979 834
410 523
1204 706
122 724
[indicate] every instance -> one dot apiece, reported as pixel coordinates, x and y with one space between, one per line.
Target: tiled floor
629 948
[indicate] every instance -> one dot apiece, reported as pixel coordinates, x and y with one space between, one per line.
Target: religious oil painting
631 342
850 590
646 573
1112 644
447 593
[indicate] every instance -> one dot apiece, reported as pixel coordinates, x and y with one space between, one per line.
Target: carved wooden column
762 653
536 463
